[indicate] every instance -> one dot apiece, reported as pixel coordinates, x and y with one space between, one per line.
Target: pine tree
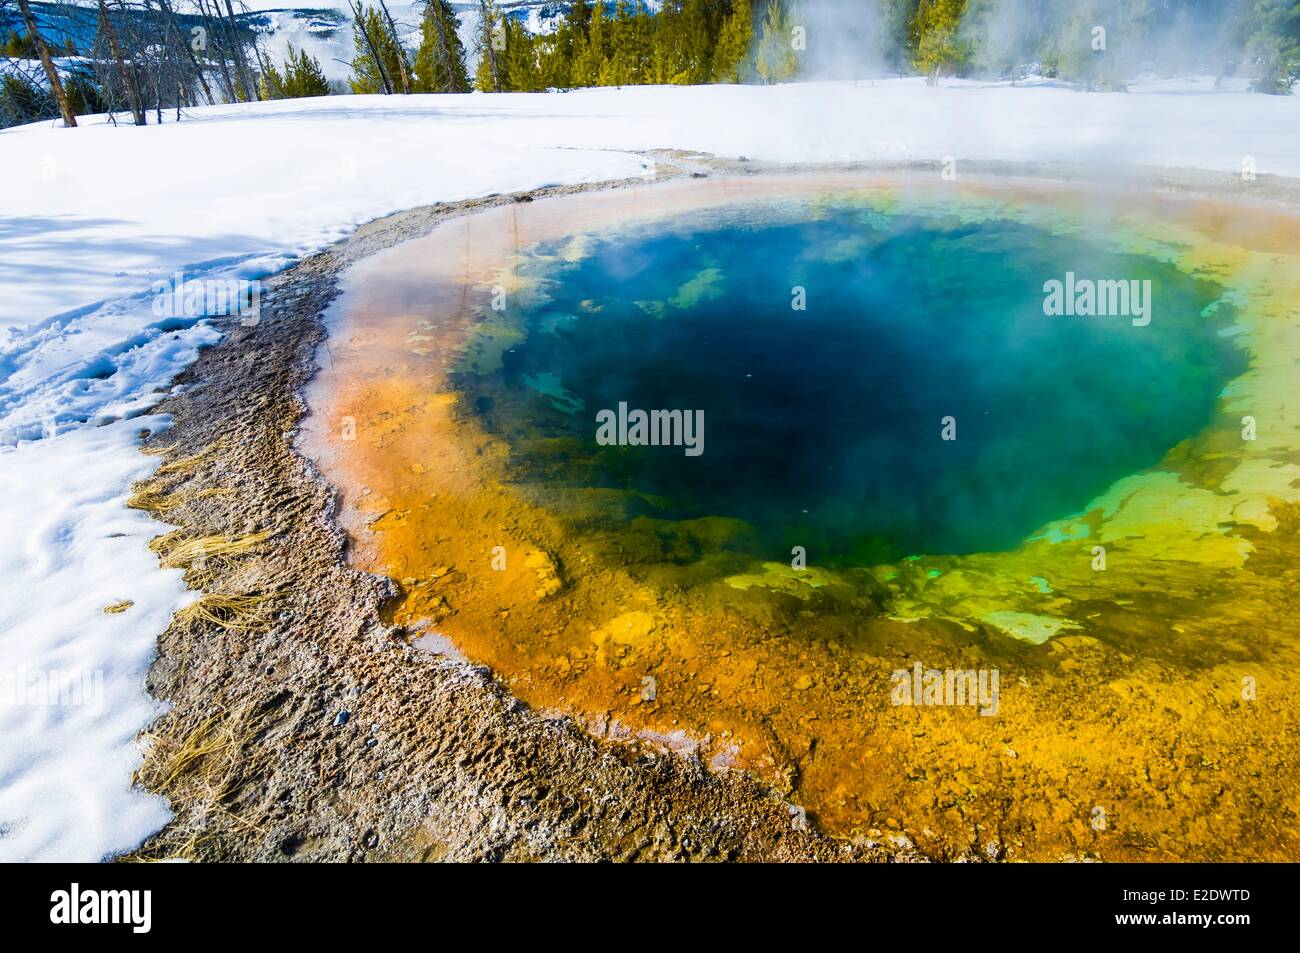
552 60
571 44
938 48
272 83
776 61
620 69
491 75
591 55
303 76
669 59
1274 45
22 101
18 46
580 16
378 60
440 58
521 59
698 33
731 55
643 28
896 17
403 60
84 95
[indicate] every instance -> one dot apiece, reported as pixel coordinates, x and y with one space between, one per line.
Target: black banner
176 902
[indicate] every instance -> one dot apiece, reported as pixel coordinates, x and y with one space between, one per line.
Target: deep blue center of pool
824 427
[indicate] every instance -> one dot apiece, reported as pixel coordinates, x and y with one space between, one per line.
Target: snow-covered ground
71 675
91 217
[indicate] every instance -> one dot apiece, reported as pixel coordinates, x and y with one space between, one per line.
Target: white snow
72 676
91 217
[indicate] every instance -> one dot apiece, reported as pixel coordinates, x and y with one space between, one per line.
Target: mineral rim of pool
950 564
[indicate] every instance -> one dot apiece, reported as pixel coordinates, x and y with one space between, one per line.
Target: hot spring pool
1110 532
825 359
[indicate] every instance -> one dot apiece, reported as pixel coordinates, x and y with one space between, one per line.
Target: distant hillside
324 32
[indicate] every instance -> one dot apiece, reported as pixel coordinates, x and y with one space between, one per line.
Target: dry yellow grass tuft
152 500
156 451
179 553
191 463
161 544
183 465
204 765
234 612
170 757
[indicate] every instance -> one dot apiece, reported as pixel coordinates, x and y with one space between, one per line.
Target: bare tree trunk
360 20
401 53
444 49
198 71
189 52
134 101
489 50
214 28
52 74
261 62
241 61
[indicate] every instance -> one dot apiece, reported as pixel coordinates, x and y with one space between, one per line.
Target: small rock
341 719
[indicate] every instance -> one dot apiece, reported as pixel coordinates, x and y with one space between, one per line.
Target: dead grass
171 757
183 465
191 463
199 770
153 500
205 559
183 552
156 495
233 612
161 544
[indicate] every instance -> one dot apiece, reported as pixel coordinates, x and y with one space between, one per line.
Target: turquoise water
824 427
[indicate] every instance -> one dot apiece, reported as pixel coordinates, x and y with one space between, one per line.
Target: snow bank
94 216
71 685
